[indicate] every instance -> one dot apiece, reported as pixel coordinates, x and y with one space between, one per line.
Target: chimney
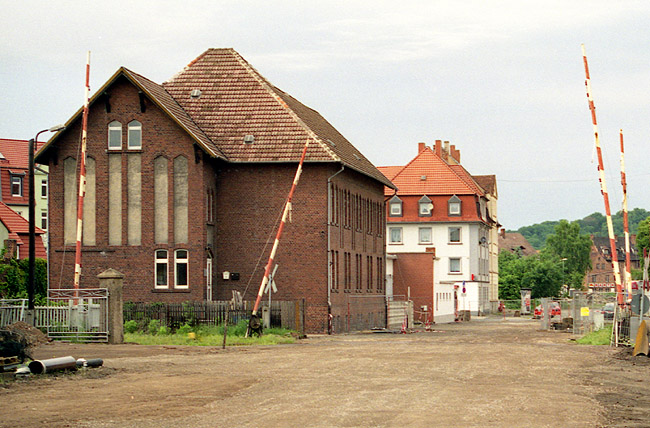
421 146
439 148
455 154
503 232
445 151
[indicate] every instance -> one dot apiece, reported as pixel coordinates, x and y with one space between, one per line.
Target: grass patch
600 337
211 336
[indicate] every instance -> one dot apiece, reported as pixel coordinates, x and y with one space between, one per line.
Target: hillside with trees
595 224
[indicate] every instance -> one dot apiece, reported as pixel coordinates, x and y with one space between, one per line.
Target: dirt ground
479 374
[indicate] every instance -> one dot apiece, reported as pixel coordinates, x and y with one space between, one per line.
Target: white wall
443 306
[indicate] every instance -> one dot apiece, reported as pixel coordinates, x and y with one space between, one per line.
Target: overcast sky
502 80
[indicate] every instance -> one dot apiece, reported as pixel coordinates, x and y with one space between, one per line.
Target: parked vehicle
608 311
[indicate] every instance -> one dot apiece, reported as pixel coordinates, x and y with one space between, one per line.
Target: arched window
135 135
395 205
425 206
181 279
162 274
115 135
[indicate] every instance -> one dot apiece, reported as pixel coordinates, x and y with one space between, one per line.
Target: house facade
185 184
14 182
439 235
14 235
601 276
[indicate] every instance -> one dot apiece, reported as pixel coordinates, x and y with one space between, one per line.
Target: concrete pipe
93 362
52 365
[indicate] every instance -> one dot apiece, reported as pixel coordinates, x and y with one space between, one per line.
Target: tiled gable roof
18 229
235 101
487 182
14 153
440 178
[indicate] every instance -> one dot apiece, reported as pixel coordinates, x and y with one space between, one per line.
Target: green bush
154 327
130 326
184 329
163 330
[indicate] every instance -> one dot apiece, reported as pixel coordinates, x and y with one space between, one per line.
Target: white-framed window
44 220
454 206
424 235
455 265
395 205
134 135
425 207
115 135
181 279
44 188
16 185
395 234
161 268
454 235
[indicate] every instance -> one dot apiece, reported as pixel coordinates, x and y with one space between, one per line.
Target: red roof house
16 228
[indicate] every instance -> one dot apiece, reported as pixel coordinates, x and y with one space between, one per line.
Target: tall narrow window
16 185
44 220
180 200
134 199
395 205
44 188
181 272
69 201
162 273
90 205
134 135
115 135
161 200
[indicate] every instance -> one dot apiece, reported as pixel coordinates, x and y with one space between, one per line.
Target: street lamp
32 226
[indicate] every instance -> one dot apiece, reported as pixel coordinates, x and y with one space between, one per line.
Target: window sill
172 290
395 243
455 273
454 243
425 243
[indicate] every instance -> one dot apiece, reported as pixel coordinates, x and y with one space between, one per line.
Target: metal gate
75 315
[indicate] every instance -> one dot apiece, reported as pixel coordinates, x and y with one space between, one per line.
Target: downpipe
329 249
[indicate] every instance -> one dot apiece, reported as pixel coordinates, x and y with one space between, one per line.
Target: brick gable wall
160 136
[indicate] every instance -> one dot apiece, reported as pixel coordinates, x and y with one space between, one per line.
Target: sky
504 81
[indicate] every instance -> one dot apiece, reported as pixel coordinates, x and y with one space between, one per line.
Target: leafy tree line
13 279
563 261
595 224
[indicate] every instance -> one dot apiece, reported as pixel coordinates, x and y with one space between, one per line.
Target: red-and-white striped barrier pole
626 227
82 177
285 213
603 184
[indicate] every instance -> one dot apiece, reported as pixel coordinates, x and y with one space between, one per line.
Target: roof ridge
191 63
271 89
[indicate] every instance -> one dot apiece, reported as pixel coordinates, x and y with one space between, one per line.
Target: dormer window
115 135
134 135
395 205
425 206
454 206
16 185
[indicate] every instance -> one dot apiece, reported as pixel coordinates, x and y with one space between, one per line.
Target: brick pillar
113 281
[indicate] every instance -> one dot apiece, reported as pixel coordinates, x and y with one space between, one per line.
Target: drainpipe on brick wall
329 249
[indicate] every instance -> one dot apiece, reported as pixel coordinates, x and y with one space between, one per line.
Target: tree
642 236
568 247
541 273
13 279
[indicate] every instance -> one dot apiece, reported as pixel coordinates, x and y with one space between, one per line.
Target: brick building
601 275
186 183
